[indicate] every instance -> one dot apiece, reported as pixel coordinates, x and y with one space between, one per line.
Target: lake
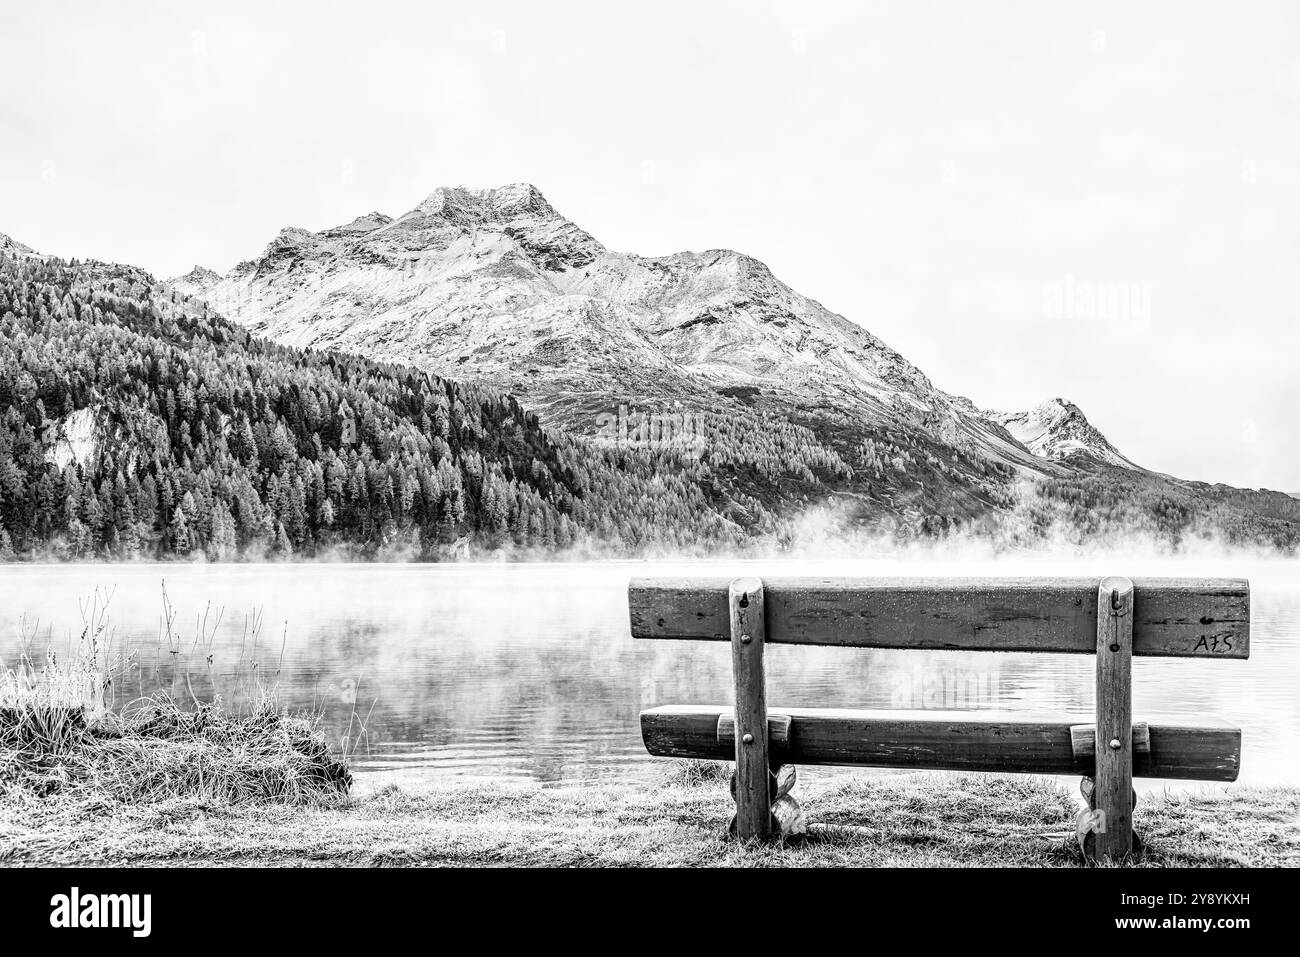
527 671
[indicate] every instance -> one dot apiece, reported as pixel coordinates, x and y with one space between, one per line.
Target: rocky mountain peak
362 224
10 245
1058 428
461 203
201 274
196 282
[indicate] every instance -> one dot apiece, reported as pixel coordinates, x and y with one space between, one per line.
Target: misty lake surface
528 671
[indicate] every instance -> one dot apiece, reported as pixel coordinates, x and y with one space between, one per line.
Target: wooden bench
1113 619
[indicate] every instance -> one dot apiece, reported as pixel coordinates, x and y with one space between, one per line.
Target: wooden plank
748 628
1172 617
1014 742
778 731
1113 796
1083 738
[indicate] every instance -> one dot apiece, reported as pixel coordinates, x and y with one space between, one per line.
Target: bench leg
748 633
1112 799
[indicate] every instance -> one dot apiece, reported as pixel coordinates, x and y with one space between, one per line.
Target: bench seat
1014 742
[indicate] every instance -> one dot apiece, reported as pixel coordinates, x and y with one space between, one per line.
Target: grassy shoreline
900 821
155 783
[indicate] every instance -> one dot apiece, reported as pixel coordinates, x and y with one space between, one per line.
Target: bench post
1113 791
748 634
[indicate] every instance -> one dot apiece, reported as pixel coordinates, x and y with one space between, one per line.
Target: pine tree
283 547
179 532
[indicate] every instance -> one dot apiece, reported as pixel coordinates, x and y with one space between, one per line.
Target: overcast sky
1100 203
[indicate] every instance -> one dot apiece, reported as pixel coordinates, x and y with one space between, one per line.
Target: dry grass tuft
696 773
159 752
59 737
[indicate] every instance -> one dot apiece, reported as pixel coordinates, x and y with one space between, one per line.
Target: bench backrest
1172 617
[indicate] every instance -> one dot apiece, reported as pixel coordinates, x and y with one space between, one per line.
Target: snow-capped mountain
495 286
1057 429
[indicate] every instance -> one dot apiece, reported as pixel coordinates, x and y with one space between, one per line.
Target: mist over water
528 671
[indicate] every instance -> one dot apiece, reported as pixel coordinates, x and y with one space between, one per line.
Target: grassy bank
905 820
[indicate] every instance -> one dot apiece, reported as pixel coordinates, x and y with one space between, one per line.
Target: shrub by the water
58 737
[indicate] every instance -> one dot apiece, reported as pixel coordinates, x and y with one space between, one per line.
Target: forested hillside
1099 502
134 422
